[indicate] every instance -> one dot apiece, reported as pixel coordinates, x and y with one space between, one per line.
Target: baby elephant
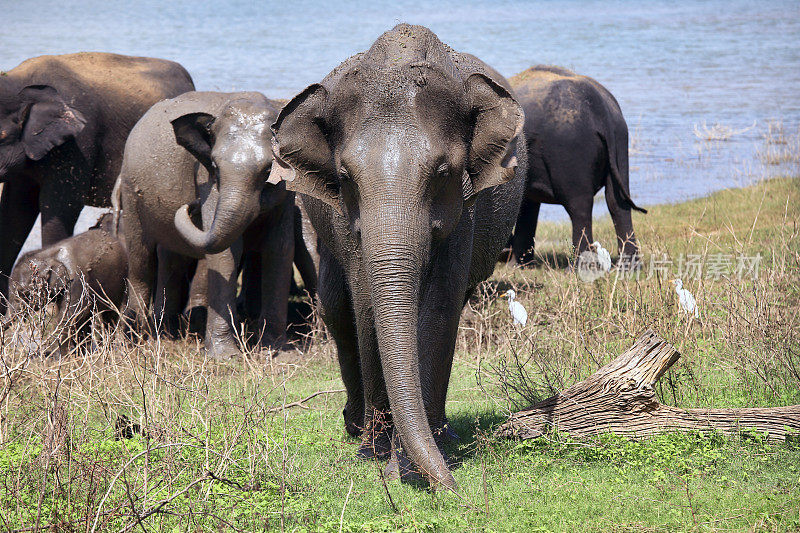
81 275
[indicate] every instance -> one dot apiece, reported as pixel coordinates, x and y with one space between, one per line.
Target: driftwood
620 398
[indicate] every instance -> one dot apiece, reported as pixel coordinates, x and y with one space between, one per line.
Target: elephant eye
343 174
443 171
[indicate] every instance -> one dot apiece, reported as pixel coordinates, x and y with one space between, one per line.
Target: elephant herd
412 162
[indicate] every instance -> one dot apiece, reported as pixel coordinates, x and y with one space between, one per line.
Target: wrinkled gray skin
405 158
63 124
577 144
167 197
82 275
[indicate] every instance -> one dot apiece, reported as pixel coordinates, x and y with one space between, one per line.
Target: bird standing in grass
518 313
685 299
603 256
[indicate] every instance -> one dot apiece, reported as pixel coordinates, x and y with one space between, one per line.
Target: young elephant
202 159
405 159
82 275
577 144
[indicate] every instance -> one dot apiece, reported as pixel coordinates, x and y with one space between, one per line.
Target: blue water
672 66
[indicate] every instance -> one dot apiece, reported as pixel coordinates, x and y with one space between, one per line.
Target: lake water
677 68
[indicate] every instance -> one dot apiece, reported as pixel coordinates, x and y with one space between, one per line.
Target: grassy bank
225 447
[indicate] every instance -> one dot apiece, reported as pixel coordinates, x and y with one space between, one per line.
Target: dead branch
620 398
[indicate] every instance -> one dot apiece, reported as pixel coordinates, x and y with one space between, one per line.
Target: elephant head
234 147
399 141
36 282
33 120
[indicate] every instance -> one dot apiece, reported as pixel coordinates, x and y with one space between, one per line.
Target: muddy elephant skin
193 182
577 144
84 276
405 158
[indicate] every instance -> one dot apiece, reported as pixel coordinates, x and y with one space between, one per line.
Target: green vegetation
220 447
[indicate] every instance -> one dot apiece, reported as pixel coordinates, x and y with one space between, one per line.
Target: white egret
518 313
685 299
603 256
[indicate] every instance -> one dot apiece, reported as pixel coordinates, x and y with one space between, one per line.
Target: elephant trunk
395 243
235 210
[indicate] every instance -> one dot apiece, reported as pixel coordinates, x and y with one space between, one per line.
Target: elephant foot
272 341
628 262
172 327
222 350
353 414
197 317
376 442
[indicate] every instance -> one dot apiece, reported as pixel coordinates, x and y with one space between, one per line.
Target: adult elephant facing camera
63 124
201 160
406 157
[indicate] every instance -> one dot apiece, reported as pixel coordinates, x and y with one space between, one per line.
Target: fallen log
620 398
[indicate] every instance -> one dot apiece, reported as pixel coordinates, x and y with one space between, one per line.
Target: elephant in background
192 185
63 124
577 144
406 159
82 275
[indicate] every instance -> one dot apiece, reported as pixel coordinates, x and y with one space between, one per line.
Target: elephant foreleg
19 206
277 255
302 257
336 309
172 289
222 273
60 208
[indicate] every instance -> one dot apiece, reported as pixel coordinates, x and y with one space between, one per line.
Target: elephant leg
302 257
580 213
141 273
172 290
60 209
522 242
222 273
197 307
19 206
623 225
439 320
277 256
376 436
251 281
336 309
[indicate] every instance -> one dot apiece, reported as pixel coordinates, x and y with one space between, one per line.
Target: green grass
295 469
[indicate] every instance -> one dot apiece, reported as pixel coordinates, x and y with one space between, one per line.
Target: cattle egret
603 256
518 313
685 299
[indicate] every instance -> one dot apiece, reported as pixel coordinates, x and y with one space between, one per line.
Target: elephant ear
48 121
193 132
498 121
303 157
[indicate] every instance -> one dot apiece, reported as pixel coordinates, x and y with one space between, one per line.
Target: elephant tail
116 205
615 178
